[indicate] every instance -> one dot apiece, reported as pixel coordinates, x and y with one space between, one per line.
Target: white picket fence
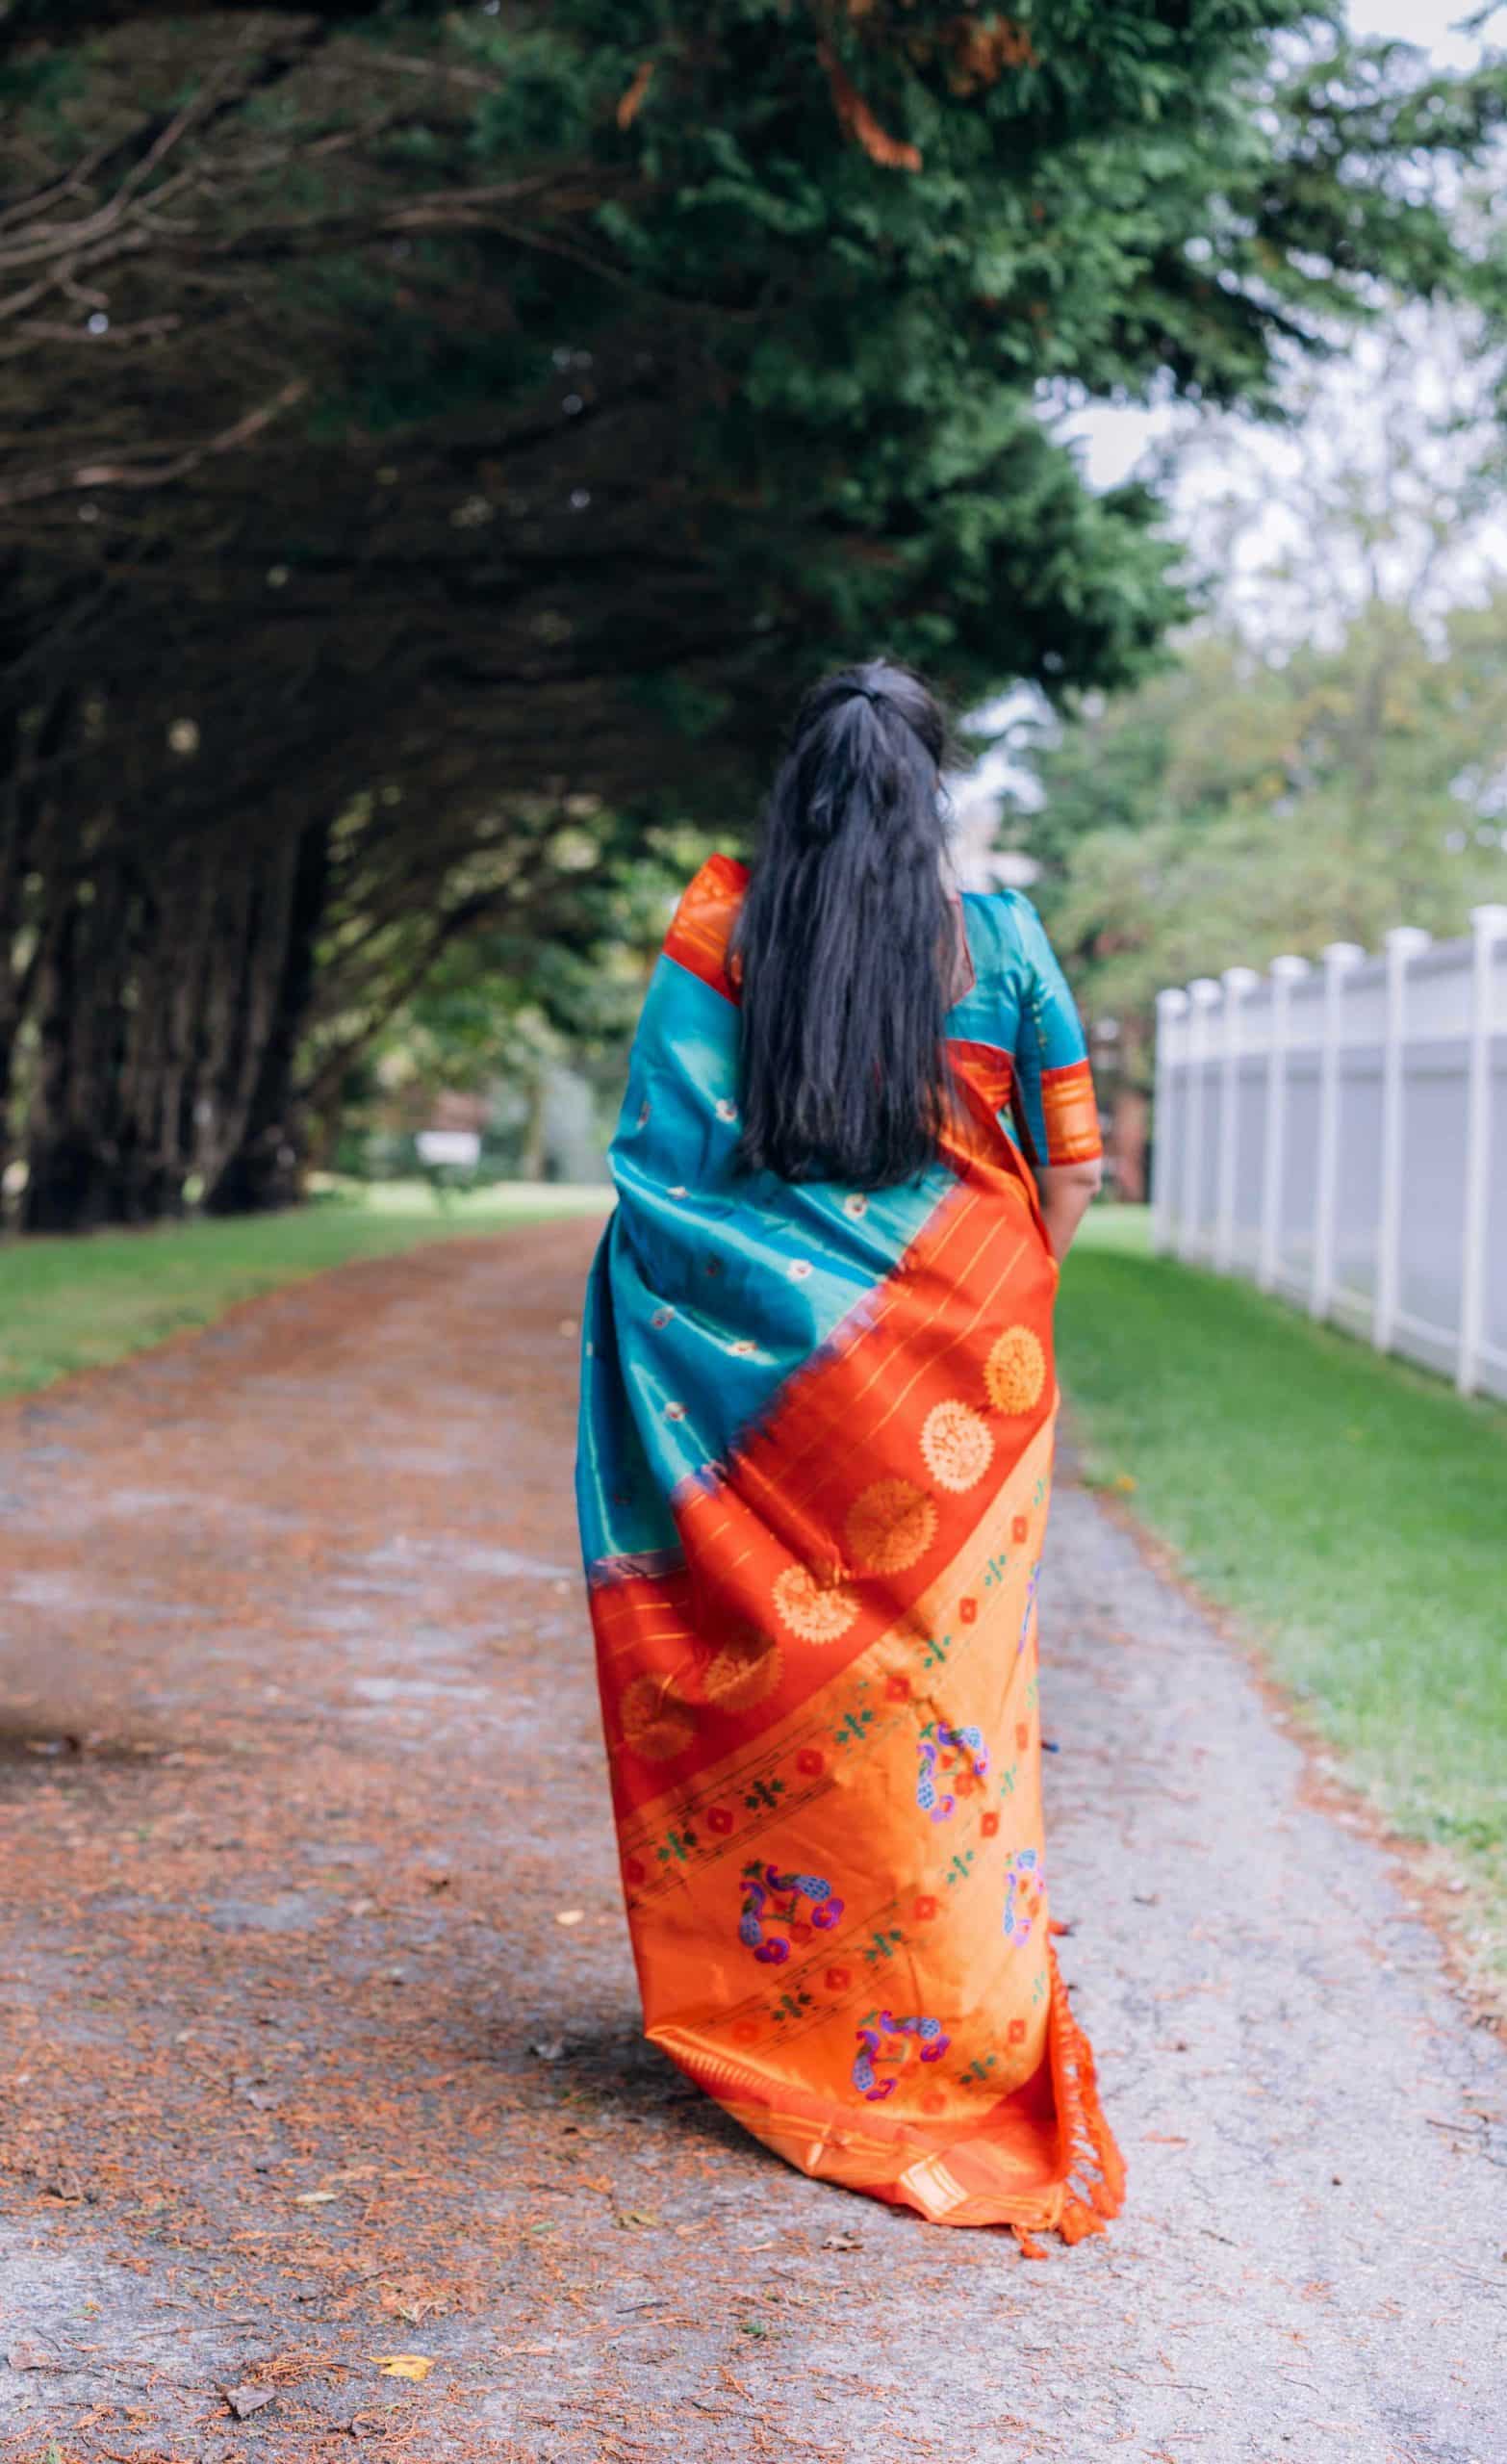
1338 1131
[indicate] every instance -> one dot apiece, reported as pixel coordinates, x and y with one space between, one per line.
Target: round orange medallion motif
1015 1370
957 1445
818 1612
743 1672
654 1723
889 1526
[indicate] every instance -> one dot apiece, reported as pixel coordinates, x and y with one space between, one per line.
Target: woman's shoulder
1004 903
713 894
1005 922
701 934
722 875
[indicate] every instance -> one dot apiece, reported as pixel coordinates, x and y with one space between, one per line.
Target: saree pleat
814 1475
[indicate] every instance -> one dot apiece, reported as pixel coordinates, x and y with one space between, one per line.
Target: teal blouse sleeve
1053 1099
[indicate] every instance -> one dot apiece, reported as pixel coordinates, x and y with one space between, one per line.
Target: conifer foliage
434 435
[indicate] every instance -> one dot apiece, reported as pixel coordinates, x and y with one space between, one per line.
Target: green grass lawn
1351 1510
68 1304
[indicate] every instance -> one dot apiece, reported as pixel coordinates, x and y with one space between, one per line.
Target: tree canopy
1327 755
1233 809
439 441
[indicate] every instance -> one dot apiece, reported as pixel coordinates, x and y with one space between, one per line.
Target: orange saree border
1071 1110
966 2183
698 937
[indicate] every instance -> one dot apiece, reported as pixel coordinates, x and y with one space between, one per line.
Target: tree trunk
533 1156
69 1184
264 1170
23 833
260 958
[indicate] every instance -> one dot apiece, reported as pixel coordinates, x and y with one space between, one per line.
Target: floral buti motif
744 1671
655 1723
953 1763
884 2042
1025 1882
770 1899
817 1613
1015 1370
891 1526
658 1713
958 1446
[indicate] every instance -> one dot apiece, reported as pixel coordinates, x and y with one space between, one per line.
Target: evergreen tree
417 419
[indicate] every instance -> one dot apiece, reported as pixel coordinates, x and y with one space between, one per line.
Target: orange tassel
1083 2116
1030 2247
1077 2221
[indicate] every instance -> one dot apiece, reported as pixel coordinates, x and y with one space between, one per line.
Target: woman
816 1441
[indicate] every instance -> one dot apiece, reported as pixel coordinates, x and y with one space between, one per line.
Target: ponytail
847 942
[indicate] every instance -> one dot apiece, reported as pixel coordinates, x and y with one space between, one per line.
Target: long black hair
847 941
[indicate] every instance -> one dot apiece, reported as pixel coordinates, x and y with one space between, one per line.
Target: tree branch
124 474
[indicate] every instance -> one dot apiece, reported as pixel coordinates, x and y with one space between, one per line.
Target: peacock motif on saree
771 1898
968 1772
882 2040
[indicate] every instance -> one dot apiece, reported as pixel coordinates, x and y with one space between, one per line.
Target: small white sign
461 1147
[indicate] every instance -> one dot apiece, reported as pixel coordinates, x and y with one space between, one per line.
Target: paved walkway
318 2040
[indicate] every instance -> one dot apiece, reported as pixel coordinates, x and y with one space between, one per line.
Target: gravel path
298 1778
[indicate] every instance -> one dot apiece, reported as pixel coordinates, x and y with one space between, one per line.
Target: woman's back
730 1277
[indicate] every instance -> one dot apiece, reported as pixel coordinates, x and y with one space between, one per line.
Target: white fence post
1346 1188
1203 995
1403 942
1489 926
1284 972
1340 957
1237 982
1170 1006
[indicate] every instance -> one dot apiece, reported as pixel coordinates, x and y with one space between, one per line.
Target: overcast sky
1427 23
1113 440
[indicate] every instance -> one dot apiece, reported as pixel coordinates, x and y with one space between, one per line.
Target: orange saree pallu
814 1471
